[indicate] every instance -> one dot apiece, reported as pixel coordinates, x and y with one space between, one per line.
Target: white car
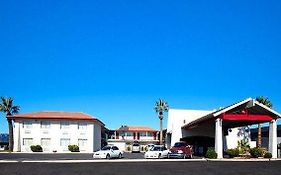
158 151
136 148
108 152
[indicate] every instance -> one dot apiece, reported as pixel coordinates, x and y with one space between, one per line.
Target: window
115 148
64 142
27 124
45 142
27 141
82 126
142 133
130 134
64 125
45 124
82 142
150 134
106 148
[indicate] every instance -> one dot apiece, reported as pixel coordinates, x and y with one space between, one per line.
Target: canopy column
218 138
272 147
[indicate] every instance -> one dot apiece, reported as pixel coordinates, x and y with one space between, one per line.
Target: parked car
108 152
136 148
157 151
180 150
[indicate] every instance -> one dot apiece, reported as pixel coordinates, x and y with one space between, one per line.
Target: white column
16 136
218 138
272 145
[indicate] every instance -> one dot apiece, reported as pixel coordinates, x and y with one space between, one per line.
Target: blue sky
114 59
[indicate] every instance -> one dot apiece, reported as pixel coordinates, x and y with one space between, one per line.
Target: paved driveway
143 168
59 156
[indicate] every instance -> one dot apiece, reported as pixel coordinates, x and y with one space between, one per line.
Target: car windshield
156 148
136 144
106 148
179 144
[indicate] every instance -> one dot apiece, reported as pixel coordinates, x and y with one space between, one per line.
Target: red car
180 150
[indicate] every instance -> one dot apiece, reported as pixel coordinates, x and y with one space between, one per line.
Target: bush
73 148
211 154
232 152
128 148
267 155
256 152
36 148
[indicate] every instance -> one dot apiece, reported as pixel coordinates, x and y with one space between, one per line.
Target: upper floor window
142 133
64 125
150 134
27 124
82 126
130 134
45 124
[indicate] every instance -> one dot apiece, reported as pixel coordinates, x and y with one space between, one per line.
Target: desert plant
9 109
73 148
160 107
256 152
232 152
243 146
142 148
211 154
267 155
128 148
36 148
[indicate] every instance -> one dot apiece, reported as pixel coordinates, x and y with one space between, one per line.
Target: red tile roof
54 115
137 128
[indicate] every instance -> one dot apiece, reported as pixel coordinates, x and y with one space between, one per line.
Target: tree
265 101
9 109
160 107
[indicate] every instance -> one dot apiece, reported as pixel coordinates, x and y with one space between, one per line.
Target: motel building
125 136
221 129
54 131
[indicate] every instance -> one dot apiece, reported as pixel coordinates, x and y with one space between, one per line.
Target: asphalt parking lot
141 168
59 156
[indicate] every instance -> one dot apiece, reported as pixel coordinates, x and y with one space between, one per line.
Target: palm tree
160 107
265 101
9 109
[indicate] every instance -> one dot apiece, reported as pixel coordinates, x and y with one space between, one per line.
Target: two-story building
125 136
54 131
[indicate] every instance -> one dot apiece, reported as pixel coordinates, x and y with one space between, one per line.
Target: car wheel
107 156
120 156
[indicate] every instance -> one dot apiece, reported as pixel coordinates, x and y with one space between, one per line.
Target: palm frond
265 101
7 106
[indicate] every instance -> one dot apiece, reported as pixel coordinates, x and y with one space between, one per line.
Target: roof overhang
255 113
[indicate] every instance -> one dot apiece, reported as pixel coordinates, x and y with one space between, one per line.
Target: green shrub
211 154
267 155
232 152
128 148
73 148
256 152
36 148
